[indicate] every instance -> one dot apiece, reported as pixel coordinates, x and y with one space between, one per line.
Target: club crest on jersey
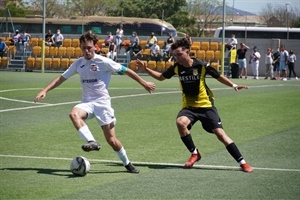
195 72
93 67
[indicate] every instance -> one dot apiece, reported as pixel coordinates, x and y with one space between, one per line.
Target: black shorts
208 117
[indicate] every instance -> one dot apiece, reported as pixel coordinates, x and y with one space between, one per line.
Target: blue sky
255 6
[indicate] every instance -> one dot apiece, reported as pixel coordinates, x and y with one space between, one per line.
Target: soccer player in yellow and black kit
198 100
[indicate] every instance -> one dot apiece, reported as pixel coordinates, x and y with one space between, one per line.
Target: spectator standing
276 58
268 63
242 61
57 38
112 51
119 36
3 48
24 39
254 57
16 39
150 41
291 64
231 43
48 38
283 62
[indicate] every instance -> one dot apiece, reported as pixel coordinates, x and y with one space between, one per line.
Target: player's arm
149 86
53 84
154 74
226 81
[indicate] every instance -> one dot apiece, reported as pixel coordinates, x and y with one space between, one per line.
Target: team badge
195 72
93 67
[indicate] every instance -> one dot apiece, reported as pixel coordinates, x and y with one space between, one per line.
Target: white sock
123 156
85 133
195 151
242 162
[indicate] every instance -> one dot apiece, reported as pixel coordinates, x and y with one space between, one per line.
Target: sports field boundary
216 167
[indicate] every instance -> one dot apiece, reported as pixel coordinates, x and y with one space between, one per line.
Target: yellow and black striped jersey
195 92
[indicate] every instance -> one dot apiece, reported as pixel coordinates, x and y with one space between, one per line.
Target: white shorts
102 111
242 63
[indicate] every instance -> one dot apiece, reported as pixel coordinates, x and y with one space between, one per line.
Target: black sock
188 142
234 152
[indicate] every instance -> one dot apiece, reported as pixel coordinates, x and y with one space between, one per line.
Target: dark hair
291 52
88 36
183 42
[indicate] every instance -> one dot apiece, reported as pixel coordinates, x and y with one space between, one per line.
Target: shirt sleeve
70 71
169 72
212 71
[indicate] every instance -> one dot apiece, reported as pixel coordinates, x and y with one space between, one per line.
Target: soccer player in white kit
95 74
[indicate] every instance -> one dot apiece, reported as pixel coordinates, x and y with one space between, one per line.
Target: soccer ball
80 166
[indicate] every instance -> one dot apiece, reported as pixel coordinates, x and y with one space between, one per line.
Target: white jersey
95 75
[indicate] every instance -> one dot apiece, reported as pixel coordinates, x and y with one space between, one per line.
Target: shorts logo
93 67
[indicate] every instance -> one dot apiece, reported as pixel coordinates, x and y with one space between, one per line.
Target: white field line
73 102
153 163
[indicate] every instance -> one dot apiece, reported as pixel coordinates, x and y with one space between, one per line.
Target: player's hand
40 97
239 87
150 87
140 64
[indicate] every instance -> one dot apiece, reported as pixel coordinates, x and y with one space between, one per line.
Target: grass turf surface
38 142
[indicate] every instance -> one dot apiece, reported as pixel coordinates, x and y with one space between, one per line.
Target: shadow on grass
180 166
59 172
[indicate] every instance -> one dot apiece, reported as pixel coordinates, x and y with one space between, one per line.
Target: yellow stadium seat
196 48
143 43
197 44
160 43
214 46
209 55
100 43
30 62
215 65
204 46
160 66
78 52
72 60
193 53
61 52
145 53
132 65
75 43
218 56
64 63
12 50
34 41
104 51
169 64
48 63
70 52
36 51
4 62
201 54
47 51
40 42
56 63
53 51
38 63
151 64
67 42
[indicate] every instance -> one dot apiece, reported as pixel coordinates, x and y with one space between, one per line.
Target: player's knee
182 122
73 115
